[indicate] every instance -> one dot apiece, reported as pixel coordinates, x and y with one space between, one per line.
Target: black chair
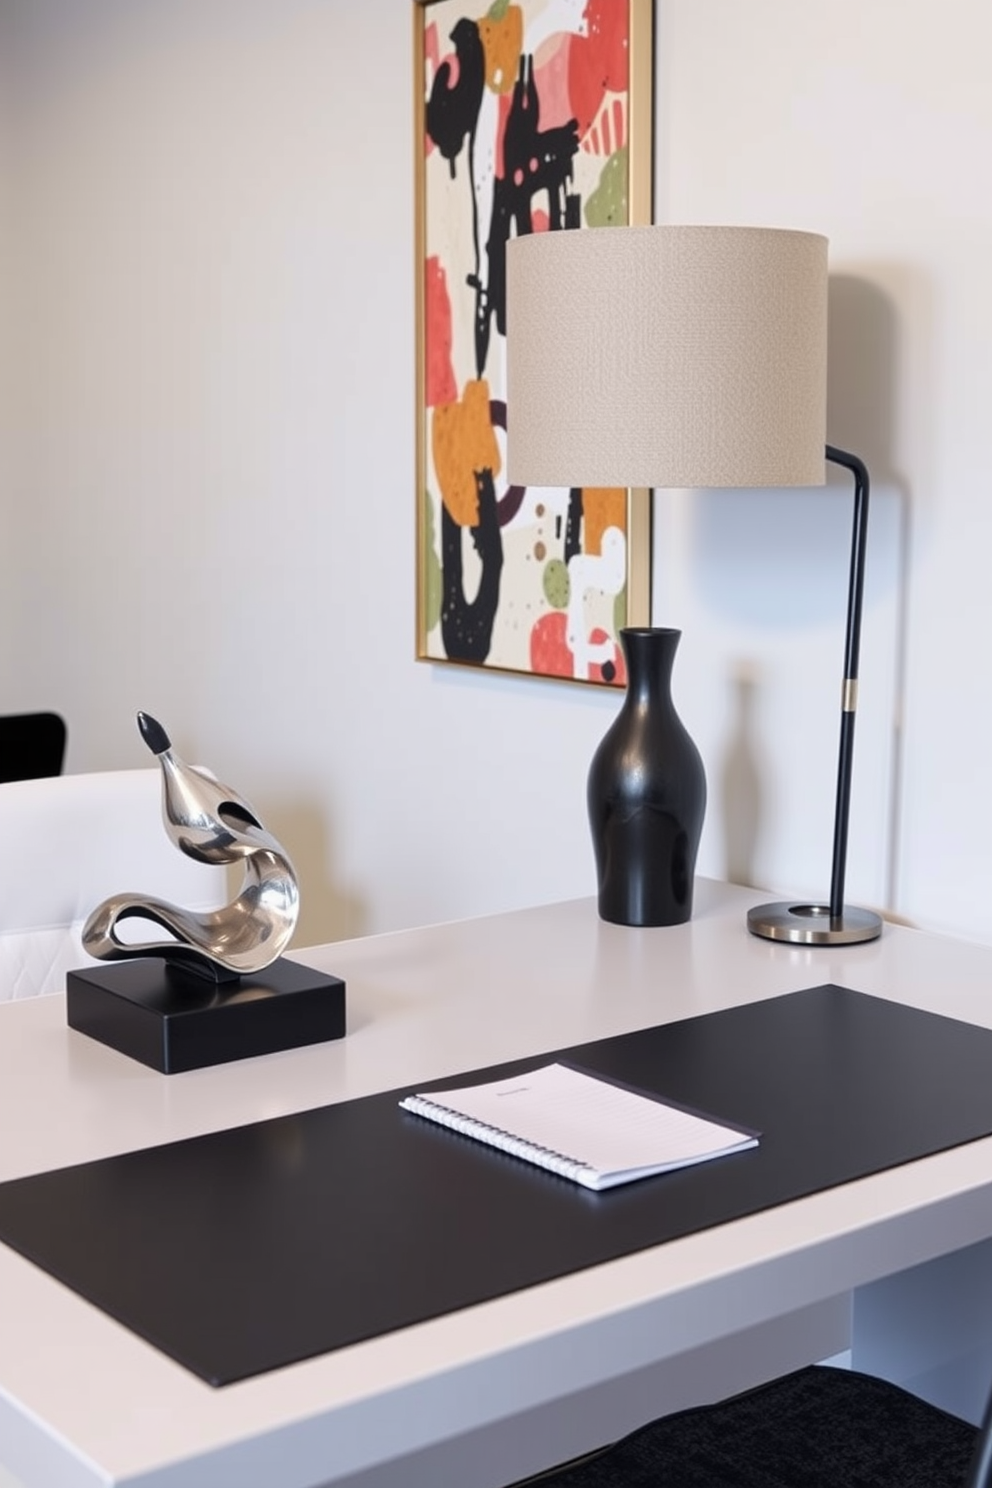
817 1428
32 746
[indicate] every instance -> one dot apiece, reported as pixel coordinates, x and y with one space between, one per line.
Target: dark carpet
817 1428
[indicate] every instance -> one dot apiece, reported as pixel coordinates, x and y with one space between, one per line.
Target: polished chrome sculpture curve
212 824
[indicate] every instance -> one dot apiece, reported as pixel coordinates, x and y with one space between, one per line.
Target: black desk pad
245 1250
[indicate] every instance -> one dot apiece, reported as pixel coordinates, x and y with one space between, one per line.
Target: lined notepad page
584 1128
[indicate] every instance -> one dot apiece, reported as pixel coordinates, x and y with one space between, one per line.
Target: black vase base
637 921
646 865
173 1019
813 924
646 899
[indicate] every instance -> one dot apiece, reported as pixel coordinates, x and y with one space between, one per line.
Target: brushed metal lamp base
813 924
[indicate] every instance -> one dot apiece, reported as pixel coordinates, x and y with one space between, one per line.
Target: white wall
872 123
213 511
7 371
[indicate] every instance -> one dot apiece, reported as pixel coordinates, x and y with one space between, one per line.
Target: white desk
491 1393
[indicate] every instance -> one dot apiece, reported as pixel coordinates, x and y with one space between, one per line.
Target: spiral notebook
581 1127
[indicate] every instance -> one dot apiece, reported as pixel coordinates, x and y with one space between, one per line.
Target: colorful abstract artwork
532 117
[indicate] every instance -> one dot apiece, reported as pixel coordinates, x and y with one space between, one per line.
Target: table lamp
687 357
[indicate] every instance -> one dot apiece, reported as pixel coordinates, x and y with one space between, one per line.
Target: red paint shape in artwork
451 60
432 63
609 133
551 81
432 58
597 62
432 51
549 653
619 123
539 220
439 377
551 656
619 678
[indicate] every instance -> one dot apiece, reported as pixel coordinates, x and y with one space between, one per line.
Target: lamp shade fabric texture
667 356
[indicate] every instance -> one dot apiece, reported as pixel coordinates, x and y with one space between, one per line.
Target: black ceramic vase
647 794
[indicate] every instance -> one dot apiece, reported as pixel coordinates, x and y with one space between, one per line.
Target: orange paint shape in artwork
463 442
598 62
439 377
502 42
602 507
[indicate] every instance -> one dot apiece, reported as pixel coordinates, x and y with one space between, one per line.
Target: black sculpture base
174 1020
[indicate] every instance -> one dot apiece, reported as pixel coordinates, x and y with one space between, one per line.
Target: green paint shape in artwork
497 10
432 570
556 585
606 206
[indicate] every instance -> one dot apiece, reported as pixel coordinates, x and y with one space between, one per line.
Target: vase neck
650 655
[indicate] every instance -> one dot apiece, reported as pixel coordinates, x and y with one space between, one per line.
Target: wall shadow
862 381
770 534
742 792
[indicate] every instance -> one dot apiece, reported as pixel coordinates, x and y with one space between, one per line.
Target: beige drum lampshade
667 356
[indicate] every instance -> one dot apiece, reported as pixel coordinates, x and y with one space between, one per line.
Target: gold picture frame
530 115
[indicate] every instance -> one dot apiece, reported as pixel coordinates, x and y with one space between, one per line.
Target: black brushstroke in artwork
573 524
453 112
533 163
453 117
512 498
467 626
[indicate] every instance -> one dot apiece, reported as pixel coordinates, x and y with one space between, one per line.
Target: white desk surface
84 1402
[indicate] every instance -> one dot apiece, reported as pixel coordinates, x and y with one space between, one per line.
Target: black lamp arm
852 646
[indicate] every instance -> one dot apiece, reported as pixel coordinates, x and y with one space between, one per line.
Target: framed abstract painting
532 116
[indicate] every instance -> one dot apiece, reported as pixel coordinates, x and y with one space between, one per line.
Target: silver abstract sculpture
212 824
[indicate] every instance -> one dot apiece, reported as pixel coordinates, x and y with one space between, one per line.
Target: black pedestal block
175 1020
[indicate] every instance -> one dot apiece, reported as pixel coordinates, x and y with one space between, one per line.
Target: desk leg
930 1330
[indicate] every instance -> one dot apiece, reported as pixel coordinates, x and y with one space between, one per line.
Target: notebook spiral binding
494 1136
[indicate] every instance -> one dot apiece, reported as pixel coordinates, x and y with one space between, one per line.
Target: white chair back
68 842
